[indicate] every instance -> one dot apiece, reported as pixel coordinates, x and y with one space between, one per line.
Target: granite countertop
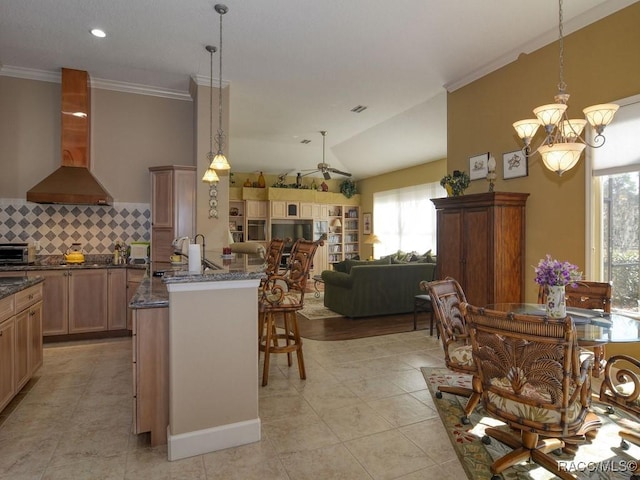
152 292
11 285
57 262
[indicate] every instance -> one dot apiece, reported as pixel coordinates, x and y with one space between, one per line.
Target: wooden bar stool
422 304
283 294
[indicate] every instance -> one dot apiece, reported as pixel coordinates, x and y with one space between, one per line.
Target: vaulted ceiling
296 67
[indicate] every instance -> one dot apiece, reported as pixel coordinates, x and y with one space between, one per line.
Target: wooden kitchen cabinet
151 373
87 300
481 243
7 356
20 340
55 301
117 300
69 297
173 208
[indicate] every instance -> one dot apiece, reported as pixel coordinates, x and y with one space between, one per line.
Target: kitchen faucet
195 240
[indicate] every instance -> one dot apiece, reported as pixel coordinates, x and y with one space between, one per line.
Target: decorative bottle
261 182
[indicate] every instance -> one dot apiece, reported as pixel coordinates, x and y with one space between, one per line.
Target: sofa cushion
352 263
340 266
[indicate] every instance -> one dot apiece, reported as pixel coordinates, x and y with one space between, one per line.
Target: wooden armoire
481 243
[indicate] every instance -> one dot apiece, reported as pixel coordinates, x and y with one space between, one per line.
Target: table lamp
371 240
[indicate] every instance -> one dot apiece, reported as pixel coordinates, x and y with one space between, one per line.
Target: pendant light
219 161
210 174
563 143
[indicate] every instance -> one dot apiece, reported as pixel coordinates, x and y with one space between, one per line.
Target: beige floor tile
81 442
388 455
74 420
111 468
152 464
334 462
374 388
431 437
355 421
299 433
275 407
256 461
328 397
402 410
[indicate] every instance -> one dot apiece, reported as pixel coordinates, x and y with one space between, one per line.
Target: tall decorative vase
556 303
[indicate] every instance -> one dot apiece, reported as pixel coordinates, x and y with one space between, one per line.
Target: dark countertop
56 262
152 292
11 285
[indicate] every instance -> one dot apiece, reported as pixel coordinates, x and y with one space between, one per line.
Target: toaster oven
17 254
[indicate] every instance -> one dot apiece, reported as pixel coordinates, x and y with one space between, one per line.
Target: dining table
594 328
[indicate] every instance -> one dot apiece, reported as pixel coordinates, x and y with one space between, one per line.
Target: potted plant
455 184
348 188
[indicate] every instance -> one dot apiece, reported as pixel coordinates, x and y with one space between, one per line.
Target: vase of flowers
554 276
455 184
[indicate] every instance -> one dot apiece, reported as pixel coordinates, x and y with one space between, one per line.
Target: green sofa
376 287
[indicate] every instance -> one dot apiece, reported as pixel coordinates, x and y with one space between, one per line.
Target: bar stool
422 304
284 294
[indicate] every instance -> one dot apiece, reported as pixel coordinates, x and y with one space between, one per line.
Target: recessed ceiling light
96 32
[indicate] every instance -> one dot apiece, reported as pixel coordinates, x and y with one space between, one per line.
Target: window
615 210
405 218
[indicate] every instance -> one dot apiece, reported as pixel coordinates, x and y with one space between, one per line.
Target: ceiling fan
324 167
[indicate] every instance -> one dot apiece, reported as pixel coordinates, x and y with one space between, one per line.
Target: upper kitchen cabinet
173 208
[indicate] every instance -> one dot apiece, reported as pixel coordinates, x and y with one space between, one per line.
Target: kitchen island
196 357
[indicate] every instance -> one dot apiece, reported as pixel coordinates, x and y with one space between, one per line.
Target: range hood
73 183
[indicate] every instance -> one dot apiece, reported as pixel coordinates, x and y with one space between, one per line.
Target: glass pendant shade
550 114
562 156
527 129
599 116
220 162
210 176
571 129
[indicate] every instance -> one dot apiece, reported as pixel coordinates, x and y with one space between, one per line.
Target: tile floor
363 413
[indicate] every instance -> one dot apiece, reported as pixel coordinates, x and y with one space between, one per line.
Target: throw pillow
341 266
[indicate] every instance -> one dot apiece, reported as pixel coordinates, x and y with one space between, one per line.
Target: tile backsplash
55 227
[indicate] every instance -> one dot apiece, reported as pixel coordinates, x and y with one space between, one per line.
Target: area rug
314 308
603 459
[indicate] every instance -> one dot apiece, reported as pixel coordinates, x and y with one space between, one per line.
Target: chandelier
217 160
563 143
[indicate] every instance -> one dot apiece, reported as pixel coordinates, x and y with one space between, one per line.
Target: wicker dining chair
283 295
446 296
533 379
593 296
621 388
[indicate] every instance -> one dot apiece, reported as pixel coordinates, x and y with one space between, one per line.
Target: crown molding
203 81
99 83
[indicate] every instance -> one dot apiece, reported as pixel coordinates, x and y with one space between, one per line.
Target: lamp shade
210 176
220 162
371 239
527 129
550 114
562 156
571 129
599 116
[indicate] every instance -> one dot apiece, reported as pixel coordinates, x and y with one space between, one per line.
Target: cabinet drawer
7 307
27 297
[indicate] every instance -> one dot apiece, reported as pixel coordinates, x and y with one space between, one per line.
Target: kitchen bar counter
187 323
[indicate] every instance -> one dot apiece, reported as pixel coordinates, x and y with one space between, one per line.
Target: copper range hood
73 183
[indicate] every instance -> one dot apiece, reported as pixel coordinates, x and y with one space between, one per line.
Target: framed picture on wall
478 166
514 164
367 228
